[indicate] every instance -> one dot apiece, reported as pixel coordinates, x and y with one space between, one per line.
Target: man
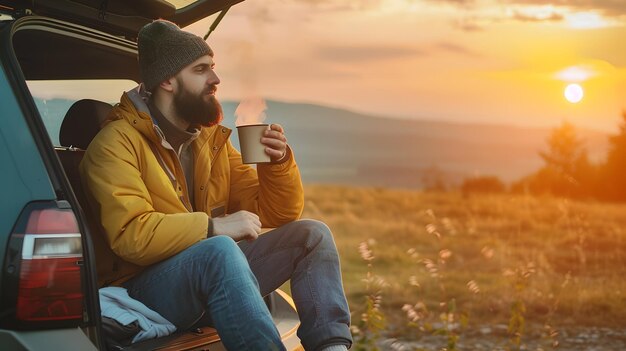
183 215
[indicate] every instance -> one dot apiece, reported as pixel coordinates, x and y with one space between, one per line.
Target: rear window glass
55 97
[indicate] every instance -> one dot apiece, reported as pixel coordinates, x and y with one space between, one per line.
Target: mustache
211 89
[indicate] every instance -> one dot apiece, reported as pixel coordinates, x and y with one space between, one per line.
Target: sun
574 93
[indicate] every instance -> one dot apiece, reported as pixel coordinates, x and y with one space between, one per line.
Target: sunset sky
502 61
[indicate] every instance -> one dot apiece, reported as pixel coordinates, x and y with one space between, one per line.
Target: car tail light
46 265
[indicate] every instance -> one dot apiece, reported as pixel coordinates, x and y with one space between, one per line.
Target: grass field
478 260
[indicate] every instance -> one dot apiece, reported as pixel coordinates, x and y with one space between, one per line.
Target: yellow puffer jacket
145 215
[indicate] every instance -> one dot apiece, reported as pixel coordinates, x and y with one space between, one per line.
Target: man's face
194 97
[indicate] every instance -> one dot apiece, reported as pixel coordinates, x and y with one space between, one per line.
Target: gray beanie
165 49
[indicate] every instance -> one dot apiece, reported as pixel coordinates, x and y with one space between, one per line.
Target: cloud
270 11
344 5
525 17
366 53
378 53
467 24
475 15
454 2
612 8
449 47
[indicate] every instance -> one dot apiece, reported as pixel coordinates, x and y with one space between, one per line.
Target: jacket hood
134 110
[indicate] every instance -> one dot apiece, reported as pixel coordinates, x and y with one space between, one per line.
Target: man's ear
168 84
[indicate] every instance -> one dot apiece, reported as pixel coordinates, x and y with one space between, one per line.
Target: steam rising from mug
250 111
250 127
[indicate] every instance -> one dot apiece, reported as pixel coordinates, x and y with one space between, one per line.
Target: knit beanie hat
165 49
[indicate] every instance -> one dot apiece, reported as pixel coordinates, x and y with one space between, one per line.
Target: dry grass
564 260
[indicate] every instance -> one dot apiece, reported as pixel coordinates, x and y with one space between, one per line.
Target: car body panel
20 154
24 173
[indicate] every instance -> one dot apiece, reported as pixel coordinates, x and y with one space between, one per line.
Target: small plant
450 320
517 322
372 322
551 333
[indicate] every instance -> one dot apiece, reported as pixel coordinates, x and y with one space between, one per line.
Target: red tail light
51 221
50 290
49 287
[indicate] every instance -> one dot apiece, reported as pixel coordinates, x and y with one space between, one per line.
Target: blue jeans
219 280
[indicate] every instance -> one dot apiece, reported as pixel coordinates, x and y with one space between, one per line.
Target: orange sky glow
494 61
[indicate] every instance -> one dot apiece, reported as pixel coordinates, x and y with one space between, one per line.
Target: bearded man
182 214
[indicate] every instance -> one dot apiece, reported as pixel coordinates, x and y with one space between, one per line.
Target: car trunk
118 17
41 38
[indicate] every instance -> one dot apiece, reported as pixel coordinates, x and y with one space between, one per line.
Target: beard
195 109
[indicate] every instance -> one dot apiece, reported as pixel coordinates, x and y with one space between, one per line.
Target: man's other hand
275 142
239 225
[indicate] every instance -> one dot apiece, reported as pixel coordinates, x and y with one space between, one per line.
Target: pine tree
567 170
565 150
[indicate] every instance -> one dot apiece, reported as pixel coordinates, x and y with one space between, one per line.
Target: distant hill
342 147
338 146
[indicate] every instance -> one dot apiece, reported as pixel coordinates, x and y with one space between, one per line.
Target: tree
483 184
565 150
567 170
615 167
